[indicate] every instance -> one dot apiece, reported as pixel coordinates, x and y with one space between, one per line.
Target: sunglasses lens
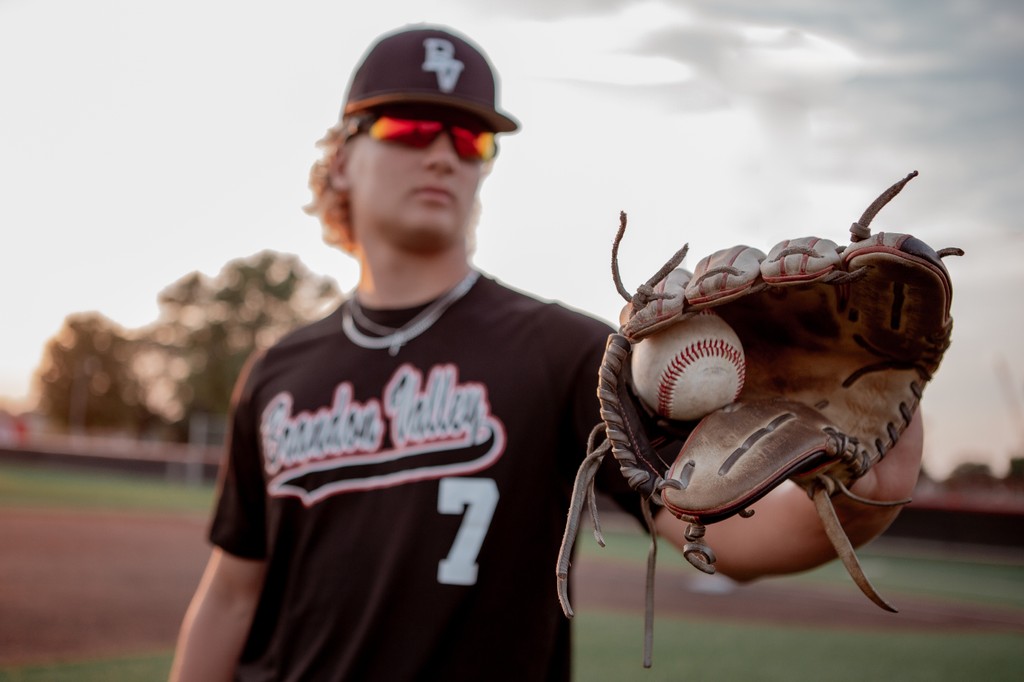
470 145
405 131
415 133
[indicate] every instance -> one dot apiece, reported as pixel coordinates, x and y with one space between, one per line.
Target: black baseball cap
428 65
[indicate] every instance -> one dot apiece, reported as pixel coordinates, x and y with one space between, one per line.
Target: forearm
217 621
785 534
210 643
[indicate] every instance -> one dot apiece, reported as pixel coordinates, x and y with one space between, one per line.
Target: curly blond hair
329 204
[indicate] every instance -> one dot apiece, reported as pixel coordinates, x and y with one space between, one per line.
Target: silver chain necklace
393 339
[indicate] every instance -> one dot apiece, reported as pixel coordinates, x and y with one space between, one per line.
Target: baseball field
96 570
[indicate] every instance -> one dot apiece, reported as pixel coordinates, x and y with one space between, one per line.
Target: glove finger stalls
725 275
666 306
800 260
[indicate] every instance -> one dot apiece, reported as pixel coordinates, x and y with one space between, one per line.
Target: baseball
691 369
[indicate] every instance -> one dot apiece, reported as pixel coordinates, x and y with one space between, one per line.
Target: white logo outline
440 58
424 414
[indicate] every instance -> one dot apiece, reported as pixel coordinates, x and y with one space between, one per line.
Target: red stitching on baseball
690 354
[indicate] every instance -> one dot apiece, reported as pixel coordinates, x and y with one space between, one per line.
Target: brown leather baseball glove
840 343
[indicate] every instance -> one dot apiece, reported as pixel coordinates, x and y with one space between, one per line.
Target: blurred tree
971 475
1016 471
180 370
86 379
209 327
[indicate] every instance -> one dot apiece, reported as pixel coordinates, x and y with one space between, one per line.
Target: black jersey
410 507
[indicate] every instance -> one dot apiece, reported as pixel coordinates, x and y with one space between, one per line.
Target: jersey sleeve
239 519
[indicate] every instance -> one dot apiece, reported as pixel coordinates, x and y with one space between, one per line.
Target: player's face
414 198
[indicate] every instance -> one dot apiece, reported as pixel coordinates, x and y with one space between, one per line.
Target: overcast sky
140 141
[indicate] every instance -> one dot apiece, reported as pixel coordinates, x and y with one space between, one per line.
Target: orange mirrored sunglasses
469 145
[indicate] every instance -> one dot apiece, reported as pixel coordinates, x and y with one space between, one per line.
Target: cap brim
498 122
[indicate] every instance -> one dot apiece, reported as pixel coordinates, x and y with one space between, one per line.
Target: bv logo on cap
440 58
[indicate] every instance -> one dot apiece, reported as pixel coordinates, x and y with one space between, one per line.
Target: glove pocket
739 453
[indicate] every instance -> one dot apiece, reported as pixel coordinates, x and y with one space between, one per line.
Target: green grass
609 647
26 486
126 669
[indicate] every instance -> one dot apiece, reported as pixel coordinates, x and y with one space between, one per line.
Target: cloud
938 83
937 86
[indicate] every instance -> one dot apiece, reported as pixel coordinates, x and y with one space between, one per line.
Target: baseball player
396 482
